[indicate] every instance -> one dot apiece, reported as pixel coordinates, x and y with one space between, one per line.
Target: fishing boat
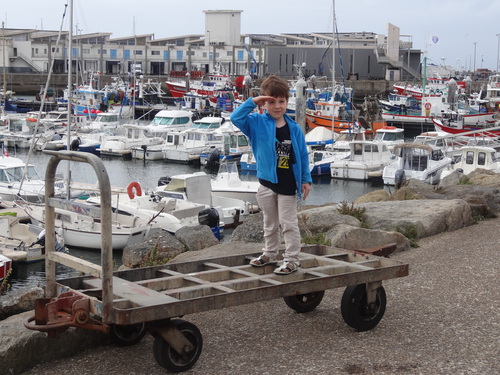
216 81
467 130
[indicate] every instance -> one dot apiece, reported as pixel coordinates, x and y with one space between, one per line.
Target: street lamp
208 32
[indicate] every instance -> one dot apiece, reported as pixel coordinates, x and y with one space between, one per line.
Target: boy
279 146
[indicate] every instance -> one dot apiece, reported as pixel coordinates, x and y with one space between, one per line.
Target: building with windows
359 55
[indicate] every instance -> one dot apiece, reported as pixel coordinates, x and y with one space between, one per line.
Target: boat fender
134 186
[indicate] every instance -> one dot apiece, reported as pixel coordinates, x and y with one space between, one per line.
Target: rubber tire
168 358
126 335
355 311
303 303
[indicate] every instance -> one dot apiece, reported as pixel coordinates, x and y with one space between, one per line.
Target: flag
435 39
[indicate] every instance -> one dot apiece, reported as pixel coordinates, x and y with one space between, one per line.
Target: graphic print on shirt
283 150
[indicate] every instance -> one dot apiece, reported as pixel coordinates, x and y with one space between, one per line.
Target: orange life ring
318 113
130 190
31 119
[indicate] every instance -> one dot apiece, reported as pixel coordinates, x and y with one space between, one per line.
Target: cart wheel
126 335
355 310
303 303
168 358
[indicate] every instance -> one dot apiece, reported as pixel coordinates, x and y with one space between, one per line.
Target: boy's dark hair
275 86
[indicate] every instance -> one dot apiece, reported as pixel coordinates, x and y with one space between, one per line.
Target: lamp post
208 32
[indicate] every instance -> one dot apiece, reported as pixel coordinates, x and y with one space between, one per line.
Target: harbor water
122 172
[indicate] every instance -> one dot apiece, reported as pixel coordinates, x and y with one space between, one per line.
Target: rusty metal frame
105 271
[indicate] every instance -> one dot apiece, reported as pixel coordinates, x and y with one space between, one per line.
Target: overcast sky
467 29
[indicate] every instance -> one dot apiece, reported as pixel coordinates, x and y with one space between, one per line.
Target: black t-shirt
284 152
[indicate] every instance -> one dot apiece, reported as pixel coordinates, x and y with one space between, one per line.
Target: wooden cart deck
161 292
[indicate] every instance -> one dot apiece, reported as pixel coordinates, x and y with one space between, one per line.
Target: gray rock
21 348
353 238
160 246
427 216
196 237
321 219
18 301
250 231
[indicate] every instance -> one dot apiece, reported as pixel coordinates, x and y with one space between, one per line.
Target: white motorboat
23 242
416 160
13 186
390 136
186 146
171 214
320 159
170 120
18 240
196 187
81 227
109 121
228 183
366 160
473 157
135 135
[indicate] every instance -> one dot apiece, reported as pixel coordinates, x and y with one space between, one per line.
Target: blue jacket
261 130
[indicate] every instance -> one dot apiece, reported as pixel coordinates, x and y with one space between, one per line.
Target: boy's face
277 107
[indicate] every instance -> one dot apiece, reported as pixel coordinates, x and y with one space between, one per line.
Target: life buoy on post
428 107
134 186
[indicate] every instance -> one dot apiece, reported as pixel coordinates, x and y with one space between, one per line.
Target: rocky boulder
21 348
18 301
163 246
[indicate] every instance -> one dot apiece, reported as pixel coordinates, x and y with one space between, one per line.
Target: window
86 51
138 52
229 53
481 158
155 53
469 157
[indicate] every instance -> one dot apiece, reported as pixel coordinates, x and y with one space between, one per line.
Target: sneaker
262 261
287 268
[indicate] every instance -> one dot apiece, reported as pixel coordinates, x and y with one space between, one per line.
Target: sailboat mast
70 87
3 70
333 67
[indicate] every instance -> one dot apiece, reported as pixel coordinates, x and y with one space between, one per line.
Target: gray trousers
279 210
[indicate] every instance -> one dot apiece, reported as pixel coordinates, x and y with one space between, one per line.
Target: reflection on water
147 173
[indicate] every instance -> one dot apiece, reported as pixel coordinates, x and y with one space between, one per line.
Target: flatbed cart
127 304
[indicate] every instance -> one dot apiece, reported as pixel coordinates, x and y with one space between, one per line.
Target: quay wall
31 84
